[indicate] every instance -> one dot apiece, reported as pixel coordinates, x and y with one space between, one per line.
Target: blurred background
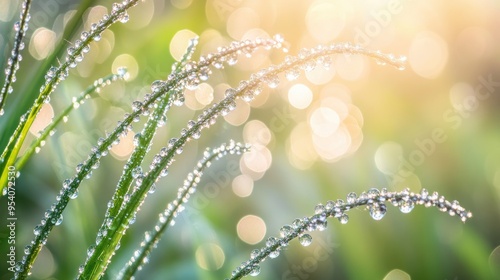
348 128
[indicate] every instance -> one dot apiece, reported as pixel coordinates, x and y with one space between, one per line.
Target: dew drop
273 81
73 194
377 211
406 206
344 219
255 270
286 230
38 230
90 250
254 253
274 254
27 249
319 209
59 221
292 74
351 198
152 189
121 71
372 193
305 240
297 223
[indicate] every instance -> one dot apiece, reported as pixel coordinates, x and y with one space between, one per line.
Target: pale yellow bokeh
210 256
300 96
428 54
397 274
256 132
123 150
43 119
127 61
239 115
242 185
251 229
180 42
42 43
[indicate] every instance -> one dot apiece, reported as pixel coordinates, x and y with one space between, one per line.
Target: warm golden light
124 148
242 185
43 119
300 96
42 43
251 229
179 43
428 54
210 256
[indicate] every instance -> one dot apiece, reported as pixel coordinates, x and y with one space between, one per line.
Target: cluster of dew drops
75 53
72 192
175 207
20 27
374 200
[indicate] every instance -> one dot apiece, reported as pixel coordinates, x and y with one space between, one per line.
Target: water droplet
73 194
319 209
137 139
254 253
271 241
274 254
124 17
309 65
272 81
27 249
38 230
305 239
90 250
406 206
255 270
372 193
292 74
424 193
351 198
59 221
297 223
377 211
152 189
157 85
286 230
136 106
329 205
344 218
121 71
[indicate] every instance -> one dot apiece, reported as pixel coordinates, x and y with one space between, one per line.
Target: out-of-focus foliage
320 137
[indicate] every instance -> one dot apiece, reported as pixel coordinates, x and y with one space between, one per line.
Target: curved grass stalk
102 252
157 119
194 73
167 217
52 79
247 90
50 129
30 90
15 57
374 200
96 263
